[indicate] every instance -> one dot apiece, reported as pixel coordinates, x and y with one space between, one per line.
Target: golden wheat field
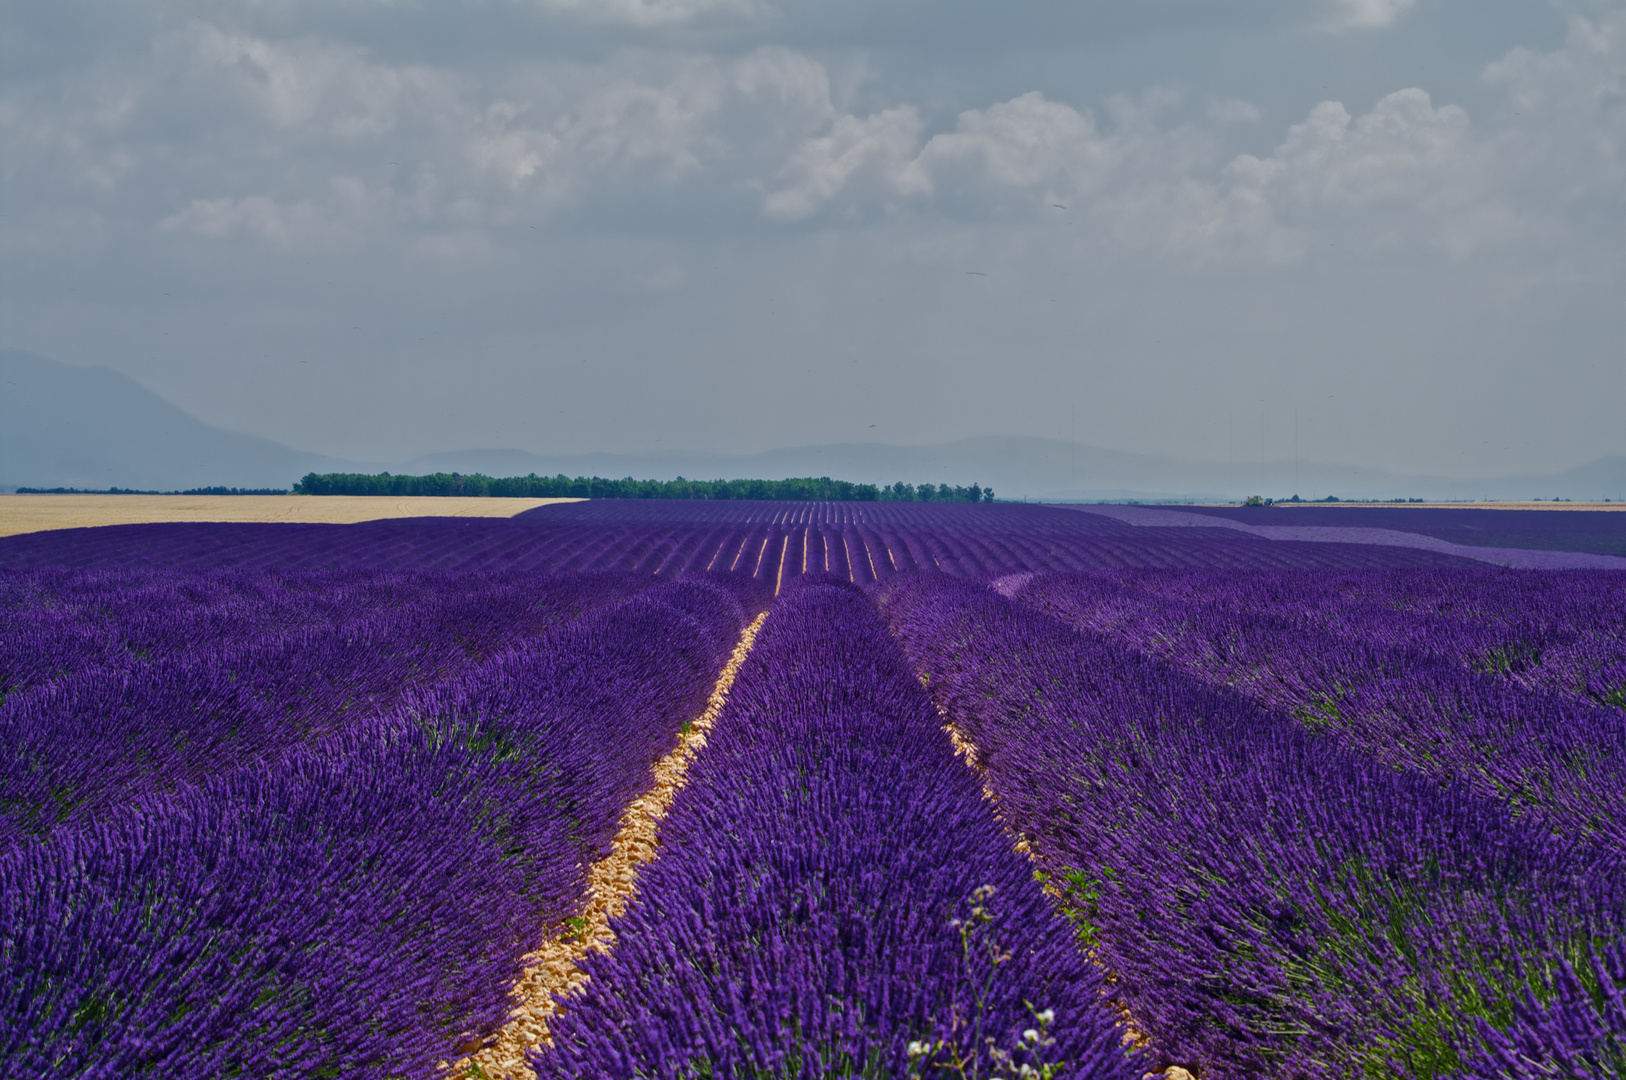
36 513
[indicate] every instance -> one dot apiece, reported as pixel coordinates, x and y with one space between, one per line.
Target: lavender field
688 789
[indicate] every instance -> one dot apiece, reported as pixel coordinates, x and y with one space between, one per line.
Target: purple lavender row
833 895
1600 531
359 907
1562 631
874 540
55 622
83 744
955 538
1557 760
1270 903
1552 631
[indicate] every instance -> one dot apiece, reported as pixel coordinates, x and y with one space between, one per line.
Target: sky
1388 233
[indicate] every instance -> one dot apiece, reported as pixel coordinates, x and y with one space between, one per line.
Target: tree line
794 489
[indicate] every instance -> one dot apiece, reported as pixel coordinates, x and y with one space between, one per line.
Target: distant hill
65 426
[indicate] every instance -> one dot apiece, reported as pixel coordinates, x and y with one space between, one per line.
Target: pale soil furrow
554 968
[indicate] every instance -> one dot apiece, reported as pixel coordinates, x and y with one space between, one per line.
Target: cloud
341 219
1130 186
825 164
617 128
363 150
1568 137
1404 173
553 134
649 13
320 89
1019 143
1403 149
458 152
79 140
530 148
795 88
1366 14
1028 144
257 215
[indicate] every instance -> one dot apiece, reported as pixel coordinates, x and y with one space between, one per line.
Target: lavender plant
1554 759
359 906
1269 902
768 541
1553 631
248 669
1572 1027
800 920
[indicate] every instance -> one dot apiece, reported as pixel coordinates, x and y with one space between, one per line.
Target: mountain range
66 426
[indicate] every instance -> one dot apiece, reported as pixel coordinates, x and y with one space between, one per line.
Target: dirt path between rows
554 968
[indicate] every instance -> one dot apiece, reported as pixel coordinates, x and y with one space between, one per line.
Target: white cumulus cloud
771 130
343 217
648 13
1404 148
82 139
1367 14
825 164
320 88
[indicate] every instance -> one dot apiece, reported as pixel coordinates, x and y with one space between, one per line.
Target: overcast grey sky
1383 232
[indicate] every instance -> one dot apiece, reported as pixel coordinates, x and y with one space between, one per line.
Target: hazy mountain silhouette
64 426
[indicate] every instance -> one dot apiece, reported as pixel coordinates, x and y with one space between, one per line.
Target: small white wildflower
1047 1017
1030 1035
917 1048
